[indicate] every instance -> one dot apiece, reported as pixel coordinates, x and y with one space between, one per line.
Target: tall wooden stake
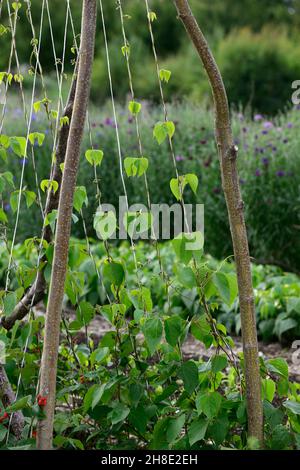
230 181
64 218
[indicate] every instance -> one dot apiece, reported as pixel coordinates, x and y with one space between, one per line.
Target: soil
193 349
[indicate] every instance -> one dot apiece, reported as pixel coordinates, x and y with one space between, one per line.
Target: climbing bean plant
134 386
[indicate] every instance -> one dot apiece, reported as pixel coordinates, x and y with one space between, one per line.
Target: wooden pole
47 387
235 206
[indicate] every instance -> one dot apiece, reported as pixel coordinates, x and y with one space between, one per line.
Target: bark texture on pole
8 397
230 182
36 292
52 328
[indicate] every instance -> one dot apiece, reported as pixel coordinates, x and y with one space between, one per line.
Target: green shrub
258 69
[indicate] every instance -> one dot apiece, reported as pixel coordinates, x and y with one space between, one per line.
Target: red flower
42 401
34 434
4 417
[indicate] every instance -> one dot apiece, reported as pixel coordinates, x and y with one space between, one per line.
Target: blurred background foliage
256 43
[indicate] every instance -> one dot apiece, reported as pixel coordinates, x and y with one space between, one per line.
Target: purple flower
285 141
130 120
274 149
242 181
179 158
290 125
265 161
203 142
7 207
109 122
23 161
207 163
257 172
245 130
258 117
268 125
265 132
241 117
280 173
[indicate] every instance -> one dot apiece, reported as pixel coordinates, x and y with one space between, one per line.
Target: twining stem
235 206
47 387
36 292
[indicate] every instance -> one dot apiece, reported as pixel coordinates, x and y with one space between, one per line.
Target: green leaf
85 312
88 398
188 372
94 157
134 107
36 136
176 188
137 223
136 392
281 438
193 181
105 224
16 6
197 430
20 404
14 200
209 403
9 303
218 363
113 272
3 216
278 366
165 75
3 154
49 184
226 285
118 414
293 406
186 277
153 330
135 166
80 198
126 50
162 130
268 389
174 328
152 16
293 304
97 395
174 428
99 355
141 299
30 197
201 330
18 145
188 245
